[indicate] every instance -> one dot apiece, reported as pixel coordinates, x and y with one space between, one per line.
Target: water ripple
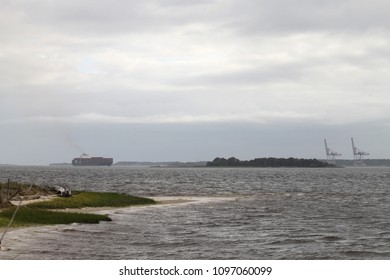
226 214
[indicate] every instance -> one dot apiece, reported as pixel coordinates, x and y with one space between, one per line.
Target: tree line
267 162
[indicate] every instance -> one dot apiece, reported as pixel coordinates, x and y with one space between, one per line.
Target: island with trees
267 162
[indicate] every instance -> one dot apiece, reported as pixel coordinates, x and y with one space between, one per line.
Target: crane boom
330 154
358 155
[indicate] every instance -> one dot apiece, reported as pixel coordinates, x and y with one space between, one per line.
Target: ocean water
227 213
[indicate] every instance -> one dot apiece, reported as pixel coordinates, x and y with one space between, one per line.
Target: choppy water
236 213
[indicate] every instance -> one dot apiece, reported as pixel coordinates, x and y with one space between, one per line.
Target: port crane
330 154
358 155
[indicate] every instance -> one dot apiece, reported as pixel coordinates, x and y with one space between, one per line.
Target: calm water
236 213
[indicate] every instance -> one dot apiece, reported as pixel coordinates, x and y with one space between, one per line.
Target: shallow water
235 213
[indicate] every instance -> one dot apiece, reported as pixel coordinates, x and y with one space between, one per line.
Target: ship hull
93 161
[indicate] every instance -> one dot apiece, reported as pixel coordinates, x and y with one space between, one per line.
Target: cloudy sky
192 80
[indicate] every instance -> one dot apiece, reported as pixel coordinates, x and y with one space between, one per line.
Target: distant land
162 163
268 162
279 162
339 162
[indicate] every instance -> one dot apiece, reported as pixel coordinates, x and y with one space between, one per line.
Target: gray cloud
260 17
92 18
172 64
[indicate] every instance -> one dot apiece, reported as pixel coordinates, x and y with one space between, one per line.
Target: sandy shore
159 200
31 199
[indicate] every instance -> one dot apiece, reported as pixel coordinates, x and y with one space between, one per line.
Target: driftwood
5 197
4 200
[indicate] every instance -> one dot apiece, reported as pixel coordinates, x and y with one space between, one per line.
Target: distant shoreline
339 163
269 162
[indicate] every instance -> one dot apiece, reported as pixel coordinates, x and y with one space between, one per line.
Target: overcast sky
192 80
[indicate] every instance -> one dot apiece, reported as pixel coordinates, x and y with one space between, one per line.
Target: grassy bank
92 199
33 217
38 213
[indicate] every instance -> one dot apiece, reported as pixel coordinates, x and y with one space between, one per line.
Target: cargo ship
86 160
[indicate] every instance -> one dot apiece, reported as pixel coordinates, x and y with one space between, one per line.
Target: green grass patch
31 217
38 213
92 199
